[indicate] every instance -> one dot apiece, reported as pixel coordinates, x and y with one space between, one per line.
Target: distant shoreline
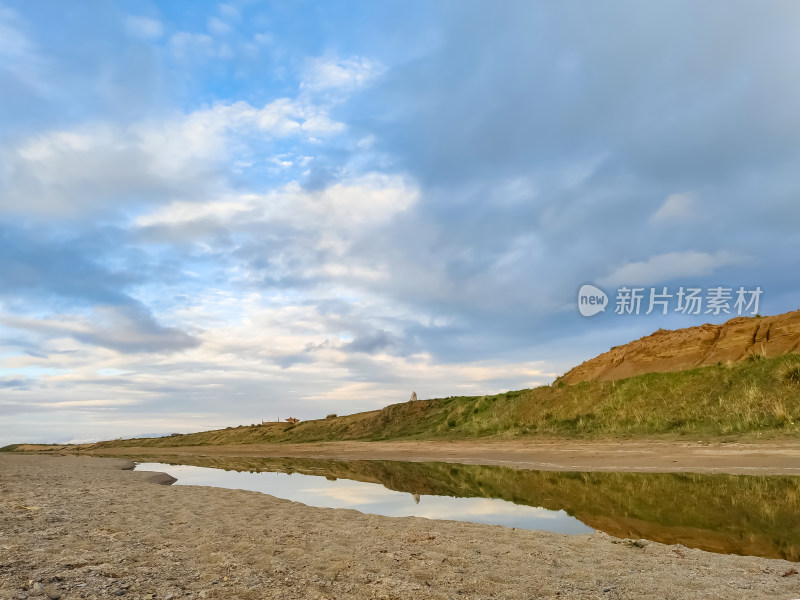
769 458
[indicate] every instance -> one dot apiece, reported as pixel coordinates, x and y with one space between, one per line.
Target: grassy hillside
39 448
755 398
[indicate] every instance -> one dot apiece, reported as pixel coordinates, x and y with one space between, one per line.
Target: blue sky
216 213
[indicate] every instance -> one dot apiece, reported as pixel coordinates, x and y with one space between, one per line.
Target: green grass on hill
756 397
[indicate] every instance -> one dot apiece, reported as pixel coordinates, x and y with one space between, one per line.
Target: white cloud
366 142
666 267
13 42
186 45
144 27
229 11
94 166
69 172
218 26
321 124
347 205
264 38
350 73
19 56
677 208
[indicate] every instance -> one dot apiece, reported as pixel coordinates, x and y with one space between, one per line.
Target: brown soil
667 351
768 458
79 527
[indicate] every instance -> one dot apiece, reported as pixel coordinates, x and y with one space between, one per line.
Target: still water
329 492
734 514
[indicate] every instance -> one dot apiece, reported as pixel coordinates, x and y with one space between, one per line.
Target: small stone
203 594
53 595
37 587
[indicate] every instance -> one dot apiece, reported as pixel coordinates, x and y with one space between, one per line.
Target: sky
217 213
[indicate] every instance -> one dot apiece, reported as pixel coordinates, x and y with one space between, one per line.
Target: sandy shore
79 527
767 458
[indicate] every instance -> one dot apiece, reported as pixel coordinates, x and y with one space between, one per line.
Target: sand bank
767 458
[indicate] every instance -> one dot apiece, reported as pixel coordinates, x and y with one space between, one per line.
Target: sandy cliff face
692 347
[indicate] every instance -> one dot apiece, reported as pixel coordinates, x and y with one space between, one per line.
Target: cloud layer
253 213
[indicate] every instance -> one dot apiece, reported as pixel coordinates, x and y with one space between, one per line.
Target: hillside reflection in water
737 514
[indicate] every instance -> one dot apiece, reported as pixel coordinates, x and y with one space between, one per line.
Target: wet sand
79 527
766 458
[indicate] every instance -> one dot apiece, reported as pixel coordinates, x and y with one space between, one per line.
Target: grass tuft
790 373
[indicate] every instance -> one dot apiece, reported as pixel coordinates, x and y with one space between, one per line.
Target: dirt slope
705 345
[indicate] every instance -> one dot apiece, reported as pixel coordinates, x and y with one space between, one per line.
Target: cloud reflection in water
373 498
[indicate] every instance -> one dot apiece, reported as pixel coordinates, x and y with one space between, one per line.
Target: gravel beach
83 527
